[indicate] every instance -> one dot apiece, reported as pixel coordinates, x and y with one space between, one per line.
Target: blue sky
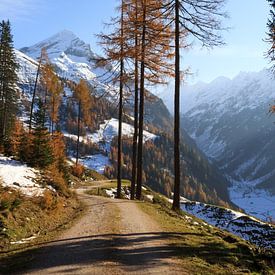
35 20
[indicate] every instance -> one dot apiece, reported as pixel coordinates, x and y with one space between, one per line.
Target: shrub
78 170
47 201
9 200
55 178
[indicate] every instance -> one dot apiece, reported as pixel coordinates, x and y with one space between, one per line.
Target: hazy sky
35 20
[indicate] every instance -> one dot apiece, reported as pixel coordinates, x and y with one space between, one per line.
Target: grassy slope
205 249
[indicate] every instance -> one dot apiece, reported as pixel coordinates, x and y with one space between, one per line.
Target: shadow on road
136 249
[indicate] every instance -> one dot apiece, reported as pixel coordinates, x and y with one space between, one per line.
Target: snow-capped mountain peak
72 57
62 42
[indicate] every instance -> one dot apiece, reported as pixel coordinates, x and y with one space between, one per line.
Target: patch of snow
24 240
150 197
111 192
96 162
18 176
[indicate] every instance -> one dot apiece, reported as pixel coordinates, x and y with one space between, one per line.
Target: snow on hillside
257 202
96 162
18 176
103 137
109 129
257 232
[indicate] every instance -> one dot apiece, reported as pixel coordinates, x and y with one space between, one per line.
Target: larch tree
141 40
154 53
53 89
55 93
115 47
200 19
82 96
133 15
8 80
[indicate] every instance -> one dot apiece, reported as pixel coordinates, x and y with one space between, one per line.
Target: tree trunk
53 110
141 109
34 93
119 140
78 133
176 200
135 136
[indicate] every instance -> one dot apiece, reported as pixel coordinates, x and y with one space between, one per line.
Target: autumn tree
15 139
53 89
141 41
8 80
200 20
136 94
82 96
115 47
154 53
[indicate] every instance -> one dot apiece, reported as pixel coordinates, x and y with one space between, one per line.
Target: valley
230 122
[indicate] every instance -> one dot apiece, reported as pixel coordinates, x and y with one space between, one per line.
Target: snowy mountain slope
103 137
257 232
230 123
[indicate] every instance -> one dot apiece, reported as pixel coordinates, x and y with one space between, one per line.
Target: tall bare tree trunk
78 132
120 114
176 200
34 92
135 136
141 108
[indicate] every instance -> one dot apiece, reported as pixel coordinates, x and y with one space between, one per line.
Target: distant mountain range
230 123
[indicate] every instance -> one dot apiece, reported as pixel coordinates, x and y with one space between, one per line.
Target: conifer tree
201 20
115 47
150 55
136 94
42 155
8 79
15 138
83 98
120 112
154 54
53 89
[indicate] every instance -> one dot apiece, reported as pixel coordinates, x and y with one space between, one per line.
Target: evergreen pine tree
42 155
8 79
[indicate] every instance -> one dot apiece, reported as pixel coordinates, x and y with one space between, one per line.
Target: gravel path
113 237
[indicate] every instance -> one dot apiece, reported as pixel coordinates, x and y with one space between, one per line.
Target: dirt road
113 237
